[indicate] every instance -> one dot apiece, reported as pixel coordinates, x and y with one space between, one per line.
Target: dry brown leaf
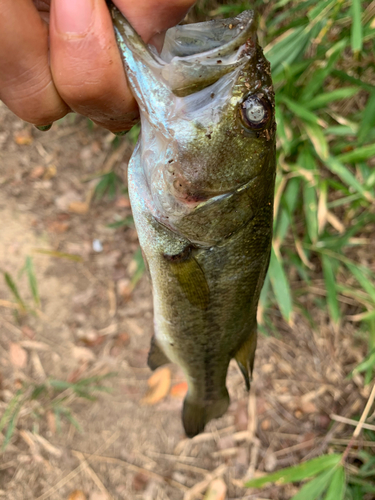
17 355
28 332
23 138
50 172
83 354
37 172
57 226
77 495
78 207
216 491
159 384
179 390
122 202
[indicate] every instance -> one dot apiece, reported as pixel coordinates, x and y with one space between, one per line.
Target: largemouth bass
201 186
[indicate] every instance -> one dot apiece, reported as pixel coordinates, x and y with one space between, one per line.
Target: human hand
62 55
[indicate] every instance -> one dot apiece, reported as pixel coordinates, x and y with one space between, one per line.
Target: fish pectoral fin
196 414
192 280
156 356
245 357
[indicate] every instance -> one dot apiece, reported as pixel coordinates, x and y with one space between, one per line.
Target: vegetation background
312 404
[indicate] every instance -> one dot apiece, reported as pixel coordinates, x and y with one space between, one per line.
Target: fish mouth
193 57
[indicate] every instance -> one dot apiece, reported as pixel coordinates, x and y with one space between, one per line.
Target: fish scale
201 186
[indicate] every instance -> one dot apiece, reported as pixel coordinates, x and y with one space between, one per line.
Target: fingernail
43 128
120 134
73 16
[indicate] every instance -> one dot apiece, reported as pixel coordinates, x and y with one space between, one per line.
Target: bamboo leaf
368 119
336 489
316 136
314 488
358 154
297 473
280 286
330 282
356 32
335 166
323 99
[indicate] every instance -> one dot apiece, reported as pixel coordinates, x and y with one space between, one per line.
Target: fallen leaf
159 384
57 226
62 202
23 138
83 354
17 355
50 172
77 495
122 202
28 332
216 491
140 481
179 390
37 172
78 207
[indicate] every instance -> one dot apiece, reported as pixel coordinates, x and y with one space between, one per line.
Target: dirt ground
91 323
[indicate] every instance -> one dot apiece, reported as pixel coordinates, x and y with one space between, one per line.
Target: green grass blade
280 286
356 32
315 134
368 119
13 288
358 154
297 473
336 167
32 280
311 209
10 409
299 110
330 282
323 99
337 487
314 488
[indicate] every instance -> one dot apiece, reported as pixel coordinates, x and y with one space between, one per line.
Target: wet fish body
201 185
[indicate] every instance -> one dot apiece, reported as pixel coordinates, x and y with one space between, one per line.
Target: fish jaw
201 185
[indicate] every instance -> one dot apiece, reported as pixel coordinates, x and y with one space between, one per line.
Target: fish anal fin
245 357
156 356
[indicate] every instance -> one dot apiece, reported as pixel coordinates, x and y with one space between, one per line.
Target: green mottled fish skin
201 184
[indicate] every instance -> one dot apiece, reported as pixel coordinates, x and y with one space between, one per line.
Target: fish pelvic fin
196 414
245 357
156 356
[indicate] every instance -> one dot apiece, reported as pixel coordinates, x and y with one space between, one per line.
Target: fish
201 186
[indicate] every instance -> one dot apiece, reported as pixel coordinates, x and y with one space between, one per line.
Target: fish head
207 114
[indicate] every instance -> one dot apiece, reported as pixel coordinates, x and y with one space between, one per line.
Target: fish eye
255 112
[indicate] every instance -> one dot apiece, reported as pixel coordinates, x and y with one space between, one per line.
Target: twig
134 468
77 470
350 421
202 485
92 474
361 424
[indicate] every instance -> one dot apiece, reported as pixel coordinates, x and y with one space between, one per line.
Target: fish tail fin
245 357
156 356
196 414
